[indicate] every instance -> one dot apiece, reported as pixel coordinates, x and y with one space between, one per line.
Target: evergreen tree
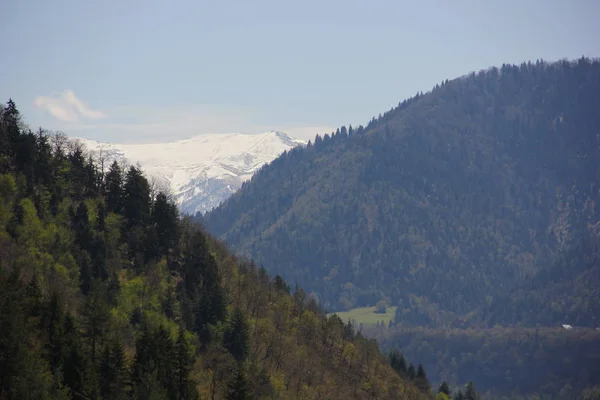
398 362
95 314
113 372
76 368
77 173
235 338
459 396
53 323
81 227
411 373
421 380
136 198
114 188
164 217
10 129
184 362
34 296
238 386
444 388
470 392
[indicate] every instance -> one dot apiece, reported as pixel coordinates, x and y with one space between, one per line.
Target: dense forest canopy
473 209
106 293
478 196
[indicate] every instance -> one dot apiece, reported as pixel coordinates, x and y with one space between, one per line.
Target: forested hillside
473 209
475 203
105 293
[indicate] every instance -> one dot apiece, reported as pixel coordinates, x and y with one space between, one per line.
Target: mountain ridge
442 183
203 170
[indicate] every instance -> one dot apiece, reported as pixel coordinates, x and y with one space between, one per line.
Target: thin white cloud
67 107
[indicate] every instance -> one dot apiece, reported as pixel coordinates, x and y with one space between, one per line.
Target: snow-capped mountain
204 170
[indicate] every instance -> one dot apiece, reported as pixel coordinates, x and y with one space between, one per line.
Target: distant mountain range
204 170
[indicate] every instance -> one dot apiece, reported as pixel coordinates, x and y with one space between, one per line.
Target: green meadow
367 315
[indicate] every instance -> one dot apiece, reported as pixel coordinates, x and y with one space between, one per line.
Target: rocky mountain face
201 171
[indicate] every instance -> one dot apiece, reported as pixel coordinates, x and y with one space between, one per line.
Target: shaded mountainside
457 206
105 293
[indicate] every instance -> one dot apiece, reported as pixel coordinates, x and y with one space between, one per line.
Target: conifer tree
53 323
238 386
114 188
444 388
235 338
459 395
398 362
76 368
411 373
184 362
421 380
470 392
164 218
95 315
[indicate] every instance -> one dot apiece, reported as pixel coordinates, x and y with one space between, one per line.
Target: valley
300 200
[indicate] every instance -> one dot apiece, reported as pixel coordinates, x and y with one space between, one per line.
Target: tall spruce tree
235 338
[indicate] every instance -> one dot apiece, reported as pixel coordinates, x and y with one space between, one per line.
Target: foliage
477 196
105 293
472 206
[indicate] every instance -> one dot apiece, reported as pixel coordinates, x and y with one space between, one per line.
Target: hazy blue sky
143 70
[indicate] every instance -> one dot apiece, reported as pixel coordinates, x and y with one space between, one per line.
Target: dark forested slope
456 205
106 294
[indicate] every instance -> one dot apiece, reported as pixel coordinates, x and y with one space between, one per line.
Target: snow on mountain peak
204 170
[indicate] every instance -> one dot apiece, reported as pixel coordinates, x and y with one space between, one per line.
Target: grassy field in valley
367 315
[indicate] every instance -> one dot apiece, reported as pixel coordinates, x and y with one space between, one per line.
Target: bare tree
59 141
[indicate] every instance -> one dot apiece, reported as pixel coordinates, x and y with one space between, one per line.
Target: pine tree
34 297
411 373
444 388
95 315
136 198
113 372
53 323
421 380
459 396
398 362
76 368
165 359
143 363
119 359
238 386
81 227
105 371
165 218
10 129
235 338
114 188
101 218
470 392
184 362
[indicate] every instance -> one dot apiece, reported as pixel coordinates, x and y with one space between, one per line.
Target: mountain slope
441 206
106 294
204 170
